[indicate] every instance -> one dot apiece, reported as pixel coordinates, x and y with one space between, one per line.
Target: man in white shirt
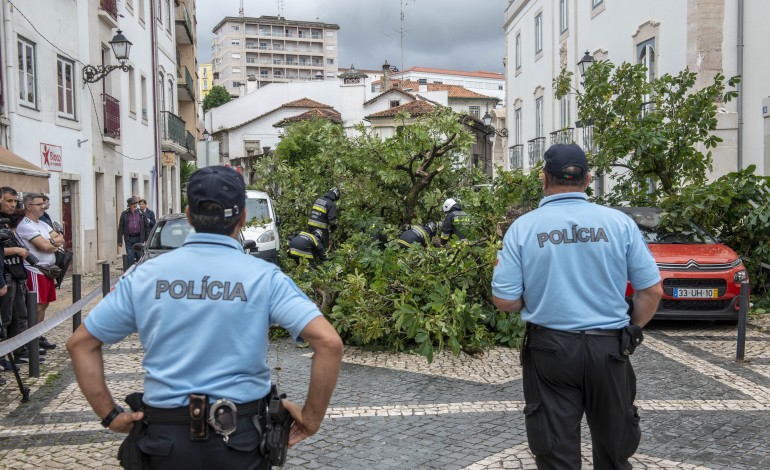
42 241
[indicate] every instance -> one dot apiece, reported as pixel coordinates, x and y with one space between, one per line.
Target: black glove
631 337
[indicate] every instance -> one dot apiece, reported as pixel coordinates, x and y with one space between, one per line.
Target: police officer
417 235
307 245
565 266
204 330
323 214
456 222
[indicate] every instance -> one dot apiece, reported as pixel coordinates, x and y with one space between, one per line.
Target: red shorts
46 288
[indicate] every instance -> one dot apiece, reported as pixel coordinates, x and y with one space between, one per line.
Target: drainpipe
740 85
7 79
154 49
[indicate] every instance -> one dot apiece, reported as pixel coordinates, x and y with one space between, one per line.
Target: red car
701 277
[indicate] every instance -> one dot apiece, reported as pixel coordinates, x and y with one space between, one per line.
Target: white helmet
449 204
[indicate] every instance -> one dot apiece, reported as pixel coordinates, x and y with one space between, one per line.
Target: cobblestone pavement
700 409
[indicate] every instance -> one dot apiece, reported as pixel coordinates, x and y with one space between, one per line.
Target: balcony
516 157
108 12
186 87
563 136
190 143
111 117
536 150
184 28
172 133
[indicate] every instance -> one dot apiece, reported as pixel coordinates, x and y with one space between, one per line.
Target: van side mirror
249 245
277 220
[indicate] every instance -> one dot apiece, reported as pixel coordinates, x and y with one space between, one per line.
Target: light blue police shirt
203 312
569 260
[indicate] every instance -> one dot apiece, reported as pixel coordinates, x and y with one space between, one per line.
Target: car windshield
257 209
169 234
649 224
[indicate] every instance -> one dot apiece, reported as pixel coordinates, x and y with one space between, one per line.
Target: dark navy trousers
566 375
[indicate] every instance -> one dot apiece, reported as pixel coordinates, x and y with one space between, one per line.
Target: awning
20 174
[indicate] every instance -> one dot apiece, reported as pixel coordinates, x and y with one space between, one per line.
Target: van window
257 208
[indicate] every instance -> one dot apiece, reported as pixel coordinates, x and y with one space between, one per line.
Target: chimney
423 82
251 83
385 72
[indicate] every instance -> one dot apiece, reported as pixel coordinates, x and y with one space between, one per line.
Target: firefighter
307 245
417 235
323 214
455 223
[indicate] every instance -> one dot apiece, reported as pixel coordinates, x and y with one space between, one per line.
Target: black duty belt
594 332
181 415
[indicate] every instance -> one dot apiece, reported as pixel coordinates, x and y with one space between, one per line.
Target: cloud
453 34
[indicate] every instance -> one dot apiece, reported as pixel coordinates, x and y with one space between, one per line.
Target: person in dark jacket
132 228
307 245
323 214
455 223
417 235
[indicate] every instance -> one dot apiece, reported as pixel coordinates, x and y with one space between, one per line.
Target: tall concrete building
272 49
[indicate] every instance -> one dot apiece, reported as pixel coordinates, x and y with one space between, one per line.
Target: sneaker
45 344
5 365
24 359
42 352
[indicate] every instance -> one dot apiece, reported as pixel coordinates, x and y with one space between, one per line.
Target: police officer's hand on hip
565 266
203 313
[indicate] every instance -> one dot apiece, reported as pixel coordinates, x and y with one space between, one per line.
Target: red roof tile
325 114
453 91
415 108
300 103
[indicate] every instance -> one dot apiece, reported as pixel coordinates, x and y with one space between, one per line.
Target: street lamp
584 63
121 48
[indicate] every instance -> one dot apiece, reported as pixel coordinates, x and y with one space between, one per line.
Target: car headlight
266 237
740 276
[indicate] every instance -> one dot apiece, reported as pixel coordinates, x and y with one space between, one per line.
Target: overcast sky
454 34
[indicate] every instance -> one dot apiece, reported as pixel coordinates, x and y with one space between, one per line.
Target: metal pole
76 295
33 351
125 261
105 278
743 311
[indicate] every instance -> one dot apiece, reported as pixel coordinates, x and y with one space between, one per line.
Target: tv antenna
240 10
281 6
403 17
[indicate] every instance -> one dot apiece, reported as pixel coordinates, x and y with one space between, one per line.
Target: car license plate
695 293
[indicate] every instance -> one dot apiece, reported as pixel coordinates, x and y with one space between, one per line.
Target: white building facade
545 36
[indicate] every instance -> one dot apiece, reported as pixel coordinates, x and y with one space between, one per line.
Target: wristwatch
111 417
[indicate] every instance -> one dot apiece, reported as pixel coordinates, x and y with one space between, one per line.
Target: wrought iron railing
172 128
190 142
563 136
516 157
186 21
111 116
536 150
111 7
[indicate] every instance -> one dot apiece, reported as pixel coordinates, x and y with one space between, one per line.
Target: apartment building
482 82
707 36
272 49
205 81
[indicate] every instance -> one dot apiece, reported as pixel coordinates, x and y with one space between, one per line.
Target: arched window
646 57
170 96
161 93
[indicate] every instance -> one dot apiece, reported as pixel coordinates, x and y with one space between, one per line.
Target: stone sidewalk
700 409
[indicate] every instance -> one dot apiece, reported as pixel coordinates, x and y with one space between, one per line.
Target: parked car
262 225
170 232
701 277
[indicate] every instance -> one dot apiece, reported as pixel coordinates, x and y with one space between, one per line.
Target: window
474 111
235 42
235 56
518 51
330 34
170 98
132 92
564 111
205 72
235 27
596 3
329 48
159 14
517 126
538 33
563 16
65 77
144 97
499 87
539 117
205 85
236 84
646 56
168 16
395 103
439 82
236 70
330 61
161 93
27 73
330 75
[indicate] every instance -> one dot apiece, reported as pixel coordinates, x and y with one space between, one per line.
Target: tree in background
217 96
648 134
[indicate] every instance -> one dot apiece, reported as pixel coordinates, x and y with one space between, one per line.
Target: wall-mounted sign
50 156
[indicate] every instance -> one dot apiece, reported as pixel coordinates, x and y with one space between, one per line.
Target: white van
261 225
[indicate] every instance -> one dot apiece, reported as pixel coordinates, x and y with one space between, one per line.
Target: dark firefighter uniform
456 223
417 235
323 214
307 245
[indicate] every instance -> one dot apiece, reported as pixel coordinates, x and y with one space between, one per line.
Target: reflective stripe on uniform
300 253
311 237
315 223
405 243
318 208
424 235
